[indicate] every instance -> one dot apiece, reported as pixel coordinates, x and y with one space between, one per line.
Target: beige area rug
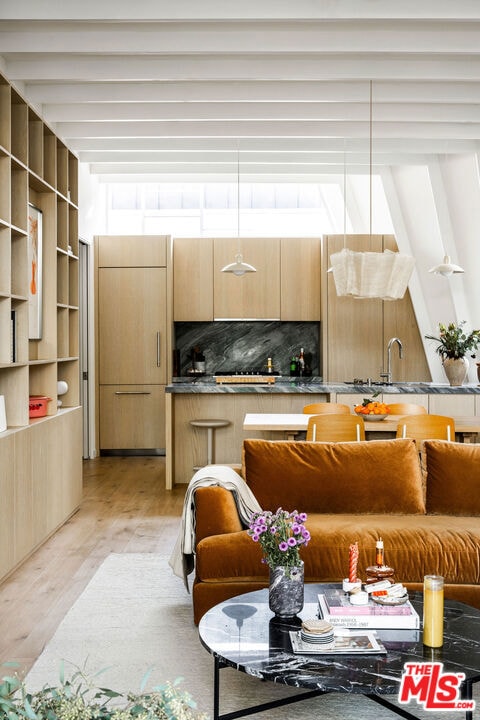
135 615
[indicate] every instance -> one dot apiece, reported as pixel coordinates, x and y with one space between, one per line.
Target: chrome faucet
388 375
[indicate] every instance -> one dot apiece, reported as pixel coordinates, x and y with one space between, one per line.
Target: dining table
290 424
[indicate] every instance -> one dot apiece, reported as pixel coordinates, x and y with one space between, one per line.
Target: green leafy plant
453 342
281 535
79 698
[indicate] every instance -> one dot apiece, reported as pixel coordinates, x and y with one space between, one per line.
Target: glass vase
285 593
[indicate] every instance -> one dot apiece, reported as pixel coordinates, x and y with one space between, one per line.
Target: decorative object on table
3 415
79 697
453 344
335 607
281 535
433 611
37 405
352 582
35 277
478 371
379 571
372 409
62 389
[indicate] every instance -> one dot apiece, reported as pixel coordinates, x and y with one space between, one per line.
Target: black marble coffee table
244 634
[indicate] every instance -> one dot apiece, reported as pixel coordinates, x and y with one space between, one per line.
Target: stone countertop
314 385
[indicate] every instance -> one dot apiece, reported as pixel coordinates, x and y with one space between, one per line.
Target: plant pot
285 593
478 371
456 370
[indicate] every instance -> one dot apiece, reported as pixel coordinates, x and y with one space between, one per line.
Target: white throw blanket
182 558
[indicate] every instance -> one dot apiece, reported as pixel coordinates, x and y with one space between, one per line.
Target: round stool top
210 423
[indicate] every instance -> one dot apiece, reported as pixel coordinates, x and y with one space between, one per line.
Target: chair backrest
326 407
426 427
335 428
407 409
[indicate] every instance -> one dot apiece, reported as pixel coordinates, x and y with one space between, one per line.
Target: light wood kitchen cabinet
132 325
254 295
193 279
133 342
300 279
356 332
132 416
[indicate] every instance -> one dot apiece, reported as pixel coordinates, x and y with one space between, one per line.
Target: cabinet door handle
158 348
132 392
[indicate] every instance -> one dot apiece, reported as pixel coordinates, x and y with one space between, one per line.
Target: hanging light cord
371 152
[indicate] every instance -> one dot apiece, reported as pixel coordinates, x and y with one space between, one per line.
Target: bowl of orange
372 410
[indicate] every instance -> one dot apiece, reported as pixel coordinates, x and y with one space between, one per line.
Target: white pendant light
238 268
371 274
446 268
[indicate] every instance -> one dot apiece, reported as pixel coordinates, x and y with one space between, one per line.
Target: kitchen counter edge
312 386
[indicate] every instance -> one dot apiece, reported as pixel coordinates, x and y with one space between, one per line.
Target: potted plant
453 343
281 535
78 698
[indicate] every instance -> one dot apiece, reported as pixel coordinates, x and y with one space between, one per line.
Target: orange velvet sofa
352 492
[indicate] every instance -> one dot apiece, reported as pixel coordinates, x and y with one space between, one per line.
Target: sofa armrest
215 512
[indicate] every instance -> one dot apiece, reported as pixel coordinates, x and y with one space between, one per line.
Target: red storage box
37 405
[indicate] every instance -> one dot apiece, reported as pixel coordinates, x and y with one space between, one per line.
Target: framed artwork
35 279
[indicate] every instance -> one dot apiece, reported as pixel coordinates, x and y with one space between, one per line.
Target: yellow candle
433 610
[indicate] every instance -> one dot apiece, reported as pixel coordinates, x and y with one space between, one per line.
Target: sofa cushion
453 477
374 476
414 547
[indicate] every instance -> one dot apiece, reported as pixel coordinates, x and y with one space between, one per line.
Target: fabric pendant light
364 275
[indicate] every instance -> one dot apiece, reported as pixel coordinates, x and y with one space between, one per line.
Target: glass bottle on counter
301 363
293 366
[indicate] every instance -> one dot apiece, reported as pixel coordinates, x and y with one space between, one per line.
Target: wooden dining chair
426 427
335 428
407 409
326 407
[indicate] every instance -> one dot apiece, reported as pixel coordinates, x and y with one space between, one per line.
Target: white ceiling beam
410 112
275 66
259 128
231 159
240 37
254 91
311 171
247 9
266 145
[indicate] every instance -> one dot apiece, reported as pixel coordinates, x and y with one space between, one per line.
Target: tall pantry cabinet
133 343
40 458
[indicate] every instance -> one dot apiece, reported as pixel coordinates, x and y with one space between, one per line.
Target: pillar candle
353 563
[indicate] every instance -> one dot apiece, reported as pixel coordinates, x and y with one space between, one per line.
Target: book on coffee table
345 643
335 607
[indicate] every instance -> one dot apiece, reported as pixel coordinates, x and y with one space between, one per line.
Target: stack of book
335 607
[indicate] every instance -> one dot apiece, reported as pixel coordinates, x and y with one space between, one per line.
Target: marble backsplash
242 346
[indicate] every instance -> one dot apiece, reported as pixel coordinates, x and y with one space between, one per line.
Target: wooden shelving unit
40 460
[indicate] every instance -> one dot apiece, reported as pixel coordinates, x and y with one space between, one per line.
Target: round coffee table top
243 633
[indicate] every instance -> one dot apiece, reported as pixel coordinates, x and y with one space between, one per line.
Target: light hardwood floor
124 509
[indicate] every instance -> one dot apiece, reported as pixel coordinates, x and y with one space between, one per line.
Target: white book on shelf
376 620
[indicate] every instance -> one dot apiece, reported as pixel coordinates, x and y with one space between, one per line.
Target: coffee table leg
216 688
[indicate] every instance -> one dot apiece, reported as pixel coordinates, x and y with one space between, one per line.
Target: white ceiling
186 88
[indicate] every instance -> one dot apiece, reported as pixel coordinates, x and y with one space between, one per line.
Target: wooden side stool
211 426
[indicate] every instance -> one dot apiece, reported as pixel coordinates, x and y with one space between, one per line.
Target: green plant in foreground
78 698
